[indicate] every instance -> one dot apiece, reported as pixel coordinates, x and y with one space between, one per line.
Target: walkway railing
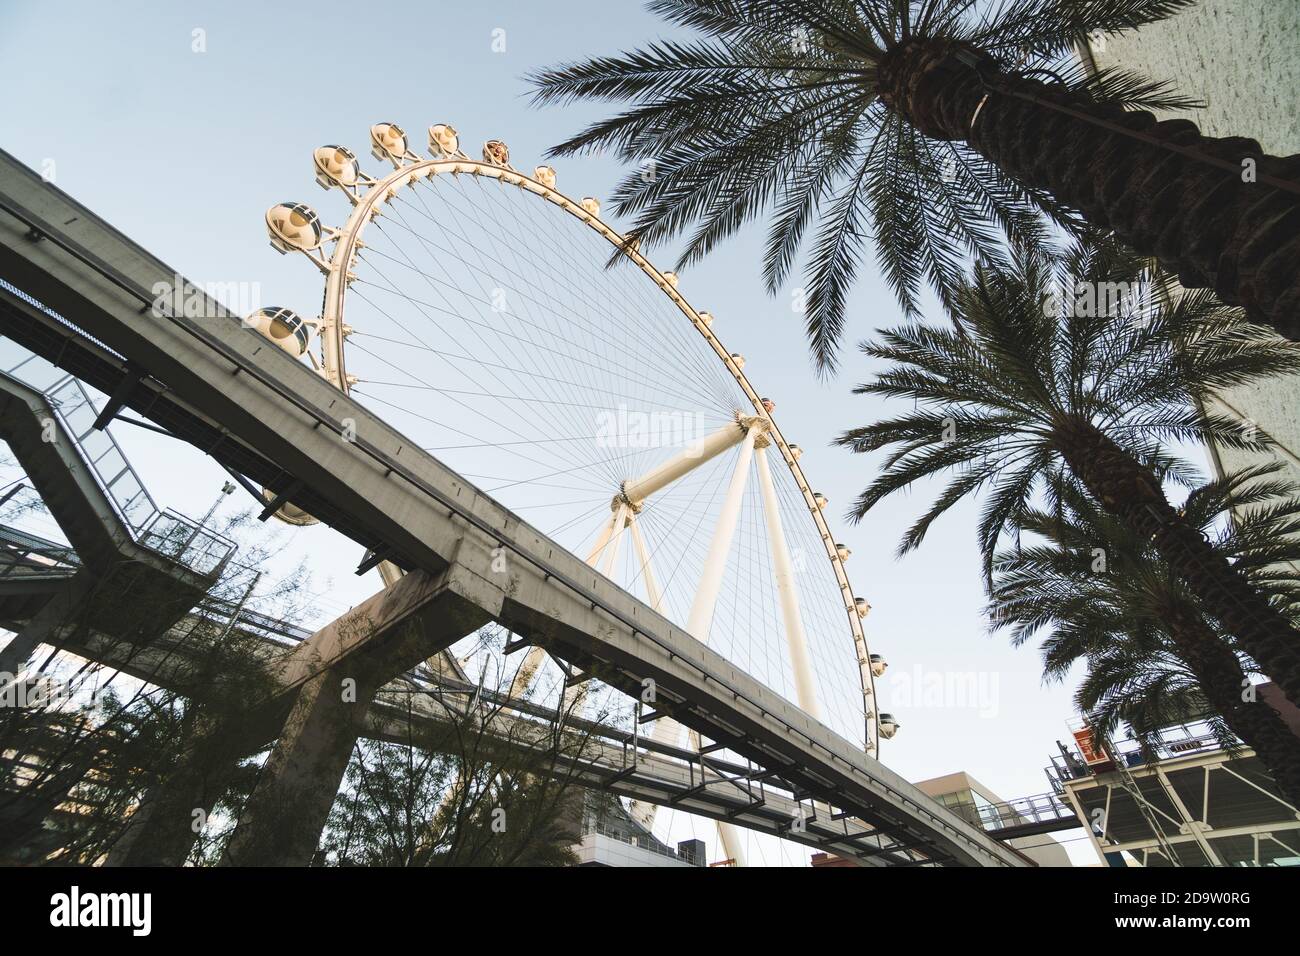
1022 812
161 530
25 555
1178 740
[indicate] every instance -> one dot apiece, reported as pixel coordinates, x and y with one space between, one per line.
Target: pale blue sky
184 152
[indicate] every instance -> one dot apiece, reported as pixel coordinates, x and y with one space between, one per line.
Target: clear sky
184 149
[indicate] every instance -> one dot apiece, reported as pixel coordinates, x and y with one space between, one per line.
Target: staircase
121 542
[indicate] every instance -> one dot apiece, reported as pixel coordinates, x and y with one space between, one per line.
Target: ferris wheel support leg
666 730
601 540
795 636
715 564
647 571
616 542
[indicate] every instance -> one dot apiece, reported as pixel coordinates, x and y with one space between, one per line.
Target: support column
325 688
795 637
667 730
616 542
647 571
715 564
282 821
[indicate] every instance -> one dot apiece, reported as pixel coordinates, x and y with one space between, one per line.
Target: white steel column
643 555
620 525
601 541
795 636
715 564
667 730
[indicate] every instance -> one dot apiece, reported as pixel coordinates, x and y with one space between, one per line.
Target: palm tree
1037 387
936 127
1153 655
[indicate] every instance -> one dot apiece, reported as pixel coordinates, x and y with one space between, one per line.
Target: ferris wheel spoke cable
497 366
646 349
524 292
650 352
526 412
600 332
543 238
542 443
422 417
612 480
468 407
639 292
425 386
391 364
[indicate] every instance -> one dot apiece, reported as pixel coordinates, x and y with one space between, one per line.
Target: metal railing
25 555
1178 740
613 825
161 530
1009 814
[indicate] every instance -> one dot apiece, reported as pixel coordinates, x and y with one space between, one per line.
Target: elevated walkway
121 542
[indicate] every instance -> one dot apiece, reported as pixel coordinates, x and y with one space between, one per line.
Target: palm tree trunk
1131 493
1220 213
1221 678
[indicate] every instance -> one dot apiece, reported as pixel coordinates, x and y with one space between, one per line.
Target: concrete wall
1239 58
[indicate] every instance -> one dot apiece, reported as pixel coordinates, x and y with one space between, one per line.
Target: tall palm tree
1154 657
1039 387
936 127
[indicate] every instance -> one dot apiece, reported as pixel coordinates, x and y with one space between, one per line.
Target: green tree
936 127
108 726
1038 386
1096 592
469 781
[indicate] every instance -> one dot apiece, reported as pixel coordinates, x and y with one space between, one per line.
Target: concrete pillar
282 821
338 675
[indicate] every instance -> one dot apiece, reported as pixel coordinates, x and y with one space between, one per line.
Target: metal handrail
162 530
1004 814
1176 740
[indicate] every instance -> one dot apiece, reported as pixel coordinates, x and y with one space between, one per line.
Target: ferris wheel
516 336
